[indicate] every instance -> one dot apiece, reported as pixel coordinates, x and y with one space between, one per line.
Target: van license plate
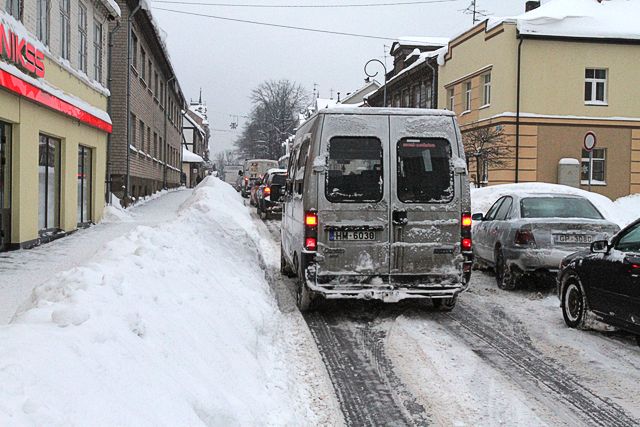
573 238
352 235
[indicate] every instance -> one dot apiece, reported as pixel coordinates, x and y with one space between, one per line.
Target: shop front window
49 184
85 163
5 185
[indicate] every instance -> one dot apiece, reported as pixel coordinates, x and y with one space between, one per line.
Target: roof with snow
193 122
190 157
425 42
605 19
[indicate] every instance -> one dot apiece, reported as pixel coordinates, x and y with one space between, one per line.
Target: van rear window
424 170
354 173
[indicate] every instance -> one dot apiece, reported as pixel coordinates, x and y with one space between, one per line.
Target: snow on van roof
387 110
613 19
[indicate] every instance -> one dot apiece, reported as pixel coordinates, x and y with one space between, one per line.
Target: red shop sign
20 51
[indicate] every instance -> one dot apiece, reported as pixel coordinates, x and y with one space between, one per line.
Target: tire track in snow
519 357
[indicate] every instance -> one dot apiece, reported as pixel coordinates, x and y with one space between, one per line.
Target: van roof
386 111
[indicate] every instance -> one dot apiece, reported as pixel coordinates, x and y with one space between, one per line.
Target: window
416 96
503 213
406 98
558 207
5 184
396 100
42 24
150 68
97 51
141 135
424 170
148 150
354 173
143 64
598 162
13 7
82 37
155 146
467 96
491 214
132 125
85 159
452 99
425 95
486 89
49 184
134 50
162 93
65 28
630 241
595 86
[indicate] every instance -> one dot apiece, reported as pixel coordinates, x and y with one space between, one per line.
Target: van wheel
504 277
444 304
574 302
304 296
284 267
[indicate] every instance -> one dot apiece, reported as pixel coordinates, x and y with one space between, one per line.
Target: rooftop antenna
331 94
200 100
476 13
315 90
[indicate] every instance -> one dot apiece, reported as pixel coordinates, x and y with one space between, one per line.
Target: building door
85 190
49 185
5 185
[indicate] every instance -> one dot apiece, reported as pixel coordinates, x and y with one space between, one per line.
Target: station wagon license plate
572 238
351 235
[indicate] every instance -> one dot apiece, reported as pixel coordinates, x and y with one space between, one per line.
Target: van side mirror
600 247
477 217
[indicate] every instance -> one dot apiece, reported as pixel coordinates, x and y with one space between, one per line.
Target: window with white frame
134 50
65 28
595 86
82 37
42 23
486 89
97 51
452 99
467 96
13 7
597 171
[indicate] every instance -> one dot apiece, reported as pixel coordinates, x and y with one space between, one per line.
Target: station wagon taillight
311 230
465 232
267 191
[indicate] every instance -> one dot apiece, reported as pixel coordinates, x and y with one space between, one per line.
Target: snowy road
22 271
500 358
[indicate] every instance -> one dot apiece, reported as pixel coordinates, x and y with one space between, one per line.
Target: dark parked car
268 194
604 281
530 233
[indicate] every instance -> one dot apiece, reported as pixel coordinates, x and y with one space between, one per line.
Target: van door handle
400 217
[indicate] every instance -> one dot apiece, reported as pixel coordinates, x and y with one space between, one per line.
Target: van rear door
425 197
353 195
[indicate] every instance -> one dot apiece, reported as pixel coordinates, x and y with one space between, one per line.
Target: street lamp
384 103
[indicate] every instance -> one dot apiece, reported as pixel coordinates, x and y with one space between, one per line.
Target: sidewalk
22 271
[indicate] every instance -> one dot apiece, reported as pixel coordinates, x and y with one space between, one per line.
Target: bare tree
276 105
490 149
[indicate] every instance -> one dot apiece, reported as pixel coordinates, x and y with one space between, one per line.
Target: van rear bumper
387 288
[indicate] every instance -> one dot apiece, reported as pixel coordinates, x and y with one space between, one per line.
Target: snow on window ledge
597 103
465 112
484 106
593 182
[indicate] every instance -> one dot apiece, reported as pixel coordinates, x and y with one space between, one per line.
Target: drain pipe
166 114
127 188
518 109
109 180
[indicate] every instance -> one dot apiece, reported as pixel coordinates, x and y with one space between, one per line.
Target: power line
307 6
268 24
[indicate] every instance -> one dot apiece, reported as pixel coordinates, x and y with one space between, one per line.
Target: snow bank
483 198
171 325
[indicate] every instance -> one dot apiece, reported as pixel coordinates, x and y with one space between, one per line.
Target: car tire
444 304
573 302
304 296
504 277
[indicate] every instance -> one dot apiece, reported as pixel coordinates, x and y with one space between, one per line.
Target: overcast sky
228 59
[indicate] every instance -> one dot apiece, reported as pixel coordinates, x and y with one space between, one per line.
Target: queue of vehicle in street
375 204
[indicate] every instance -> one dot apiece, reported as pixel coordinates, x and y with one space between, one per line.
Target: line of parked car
375 204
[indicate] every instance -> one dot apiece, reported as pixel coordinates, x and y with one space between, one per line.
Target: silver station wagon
377 206
530 233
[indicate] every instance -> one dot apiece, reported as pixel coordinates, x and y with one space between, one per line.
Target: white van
377 206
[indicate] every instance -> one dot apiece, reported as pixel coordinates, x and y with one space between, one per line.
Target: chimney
530 5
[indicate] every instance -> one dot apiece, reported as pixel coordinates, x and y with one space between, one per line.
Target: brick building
412 81
147 105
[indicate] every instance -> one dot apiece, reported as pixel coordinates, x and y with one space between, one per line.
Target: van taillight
524 237
267 191
465 232
311 230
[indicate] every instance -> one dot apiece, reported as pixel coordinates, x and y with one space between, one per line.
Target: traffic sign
589 141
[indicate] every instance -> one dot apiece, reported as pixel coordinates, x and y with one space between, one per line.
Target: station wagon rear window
558 207
354 173
424 170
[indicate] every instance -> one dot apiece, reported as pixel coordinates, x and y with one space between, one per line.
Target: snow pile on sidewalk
171 325
622 212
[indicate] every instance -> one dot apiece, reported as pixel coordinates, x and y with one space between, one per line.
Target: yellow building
53 120
547 78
